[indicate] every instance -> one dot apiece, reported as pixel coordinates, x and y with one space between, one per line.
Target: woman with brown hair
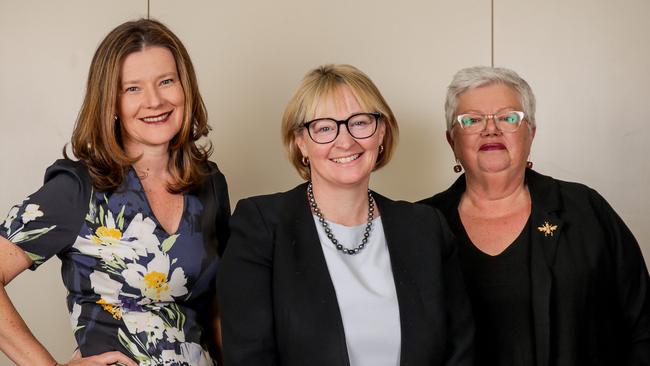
330 272
137 221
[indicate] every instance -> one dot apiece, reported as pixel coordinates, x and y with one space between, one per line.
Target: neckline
148 204
346 227
472 247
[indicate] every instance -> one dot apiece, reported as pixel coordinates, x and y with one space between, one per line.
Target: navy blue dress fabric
132 287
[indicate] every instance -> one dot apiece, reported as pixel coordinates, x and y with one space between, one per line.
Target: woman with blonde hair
137 220
330 272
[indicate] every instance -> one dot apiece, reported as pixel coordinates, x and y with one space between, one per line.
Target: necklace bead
328 230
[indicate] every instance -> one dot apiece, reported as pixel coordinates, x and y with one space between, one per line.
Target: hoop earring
458 168
305 161
529 164
381 149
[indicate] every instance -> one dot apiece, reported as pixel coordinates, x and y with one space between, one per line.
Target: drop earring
458 168
529 164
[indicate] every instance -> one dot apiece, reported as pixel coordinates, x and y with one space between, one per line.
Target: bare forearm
16 340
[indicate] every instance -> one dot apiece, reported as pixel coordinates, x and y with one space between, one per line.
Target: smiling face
491 151
346 161
151 99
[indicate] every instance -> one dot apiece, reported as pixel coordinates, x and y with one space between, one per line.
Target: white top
365 290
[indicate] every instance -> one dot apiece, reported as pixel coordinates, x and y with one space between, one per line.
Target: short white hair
478 76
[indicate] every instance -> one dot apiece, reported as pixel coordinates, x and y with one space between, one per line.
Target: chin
494 165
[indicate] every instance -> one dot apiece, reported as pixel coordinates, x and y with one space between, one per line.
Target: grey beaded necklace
328 230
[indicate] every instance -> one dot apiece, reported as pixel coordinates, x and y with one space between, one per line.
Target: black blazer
277 300
590 286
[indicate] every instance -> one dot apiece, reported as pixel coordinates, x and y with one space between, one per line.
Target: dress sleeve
244 286
633 283
460 322
48 221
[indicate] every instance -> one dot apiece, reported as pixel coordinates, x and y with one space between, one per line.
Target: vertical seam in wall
148 9
492 33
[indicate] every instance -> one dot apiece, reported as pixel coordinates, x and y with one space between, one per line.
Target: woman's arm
244 289
16 340
43 225
633 284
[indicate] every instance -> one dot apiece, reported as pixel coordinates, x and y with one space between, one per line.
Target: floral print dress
132 287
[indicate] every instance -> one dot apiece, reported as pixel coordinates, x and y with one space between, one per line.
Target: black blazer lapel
546 229
314 292
403 255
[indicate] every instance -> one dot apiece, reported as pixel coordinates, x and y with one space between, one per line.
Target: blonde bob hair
96 139
321 84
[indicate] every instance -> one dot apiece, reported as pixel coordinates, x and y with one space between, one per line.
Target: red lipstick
492 146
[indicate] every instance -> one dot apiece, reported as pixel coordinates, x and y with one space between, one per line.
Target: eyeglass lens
506 121
360 126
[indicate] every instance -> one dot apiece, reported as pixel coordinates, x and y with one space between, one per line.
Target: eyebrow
161 76
474 111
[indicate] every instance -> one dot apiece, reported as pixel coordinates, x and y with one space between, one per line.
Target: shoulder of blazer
550 194
282 205
403 215
547 193
400 208
447 200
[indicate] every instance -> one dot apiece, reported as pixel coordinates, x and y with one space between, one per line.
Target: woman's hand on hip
106 358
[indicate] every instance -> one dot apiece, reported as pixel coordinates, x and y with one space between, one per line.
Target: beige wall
586 60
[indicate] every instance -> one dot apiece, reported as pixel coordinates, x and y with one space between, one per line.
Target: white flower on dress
109 292
111 245
154 326
74 317
154 281
145 322
32 211
13 213
140 233
174 334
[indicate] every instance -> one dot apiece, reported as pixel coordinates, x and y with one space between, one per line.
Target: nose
490 128
344 139
152 98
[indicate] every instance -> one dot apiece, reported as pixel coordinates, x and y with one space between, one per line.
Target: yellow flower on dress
109 291
113 310
156 282
103 235
114 246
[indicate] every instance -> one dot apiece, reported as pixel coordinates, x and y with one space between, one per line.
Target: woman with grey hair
554 275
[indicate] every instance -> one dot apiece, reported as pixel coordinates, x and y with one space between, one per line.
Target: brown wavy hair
96 139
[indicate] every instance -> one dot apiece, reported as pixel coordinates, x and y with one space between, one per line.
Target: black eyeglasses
359 125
